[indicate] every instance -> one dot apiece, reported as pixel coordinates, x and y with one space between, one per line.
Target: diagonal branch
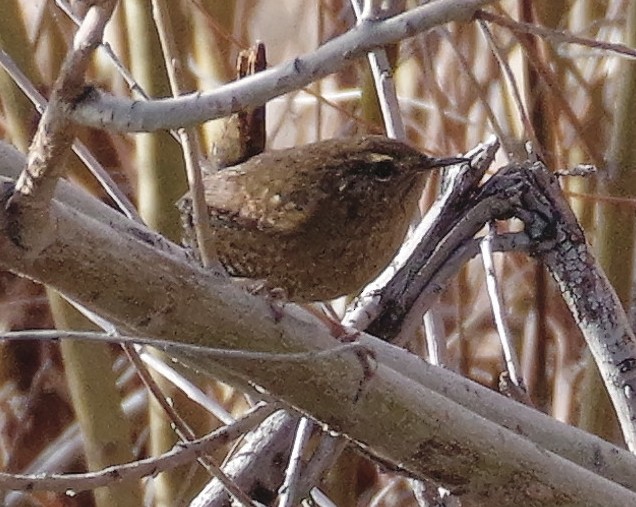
55 132
103 110
154 292
585 288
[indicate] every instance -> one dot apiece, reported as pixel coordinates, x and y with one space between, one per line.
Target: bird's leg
275 296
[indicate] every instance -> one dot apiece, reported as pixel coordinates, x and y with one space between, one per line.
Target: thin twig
382 74
189 140
170 346
181 428
289 488
555 35
191 390
180 454
496 303
80 149
123 71
512 81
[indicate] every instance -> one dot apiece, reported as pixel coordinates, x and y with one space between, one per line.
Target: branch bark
101 110
146 286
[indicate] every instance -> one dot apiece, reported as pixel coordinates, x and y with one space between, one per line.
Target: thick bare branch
55 132
103 110
152 292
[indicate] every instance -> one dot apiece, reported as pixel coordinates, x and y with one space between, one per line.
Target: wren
320 220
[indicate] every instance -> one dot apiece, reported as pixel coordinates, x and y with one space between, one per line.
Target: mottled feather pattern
319 220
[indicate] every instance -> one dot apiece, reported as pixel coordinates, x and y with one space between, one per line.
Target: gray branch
103 110
476 443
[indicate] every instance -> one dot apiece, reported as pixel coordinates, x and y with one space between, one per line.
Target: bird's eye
383 170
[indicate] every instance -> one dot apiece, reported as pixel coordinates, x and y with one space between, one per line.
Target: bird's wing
275 206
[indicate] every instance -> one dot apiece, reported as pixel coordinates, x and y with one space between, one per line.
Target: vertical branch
382 71
188 137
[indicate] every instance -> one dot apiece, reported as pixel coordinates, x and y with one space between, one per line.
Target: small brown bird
319 220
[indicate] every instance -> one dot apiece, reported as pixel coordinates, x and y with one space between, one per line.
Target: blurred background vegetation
457 85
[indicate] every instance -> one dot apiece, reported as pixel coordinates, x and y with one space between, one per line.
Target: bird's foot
275 296
345 334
